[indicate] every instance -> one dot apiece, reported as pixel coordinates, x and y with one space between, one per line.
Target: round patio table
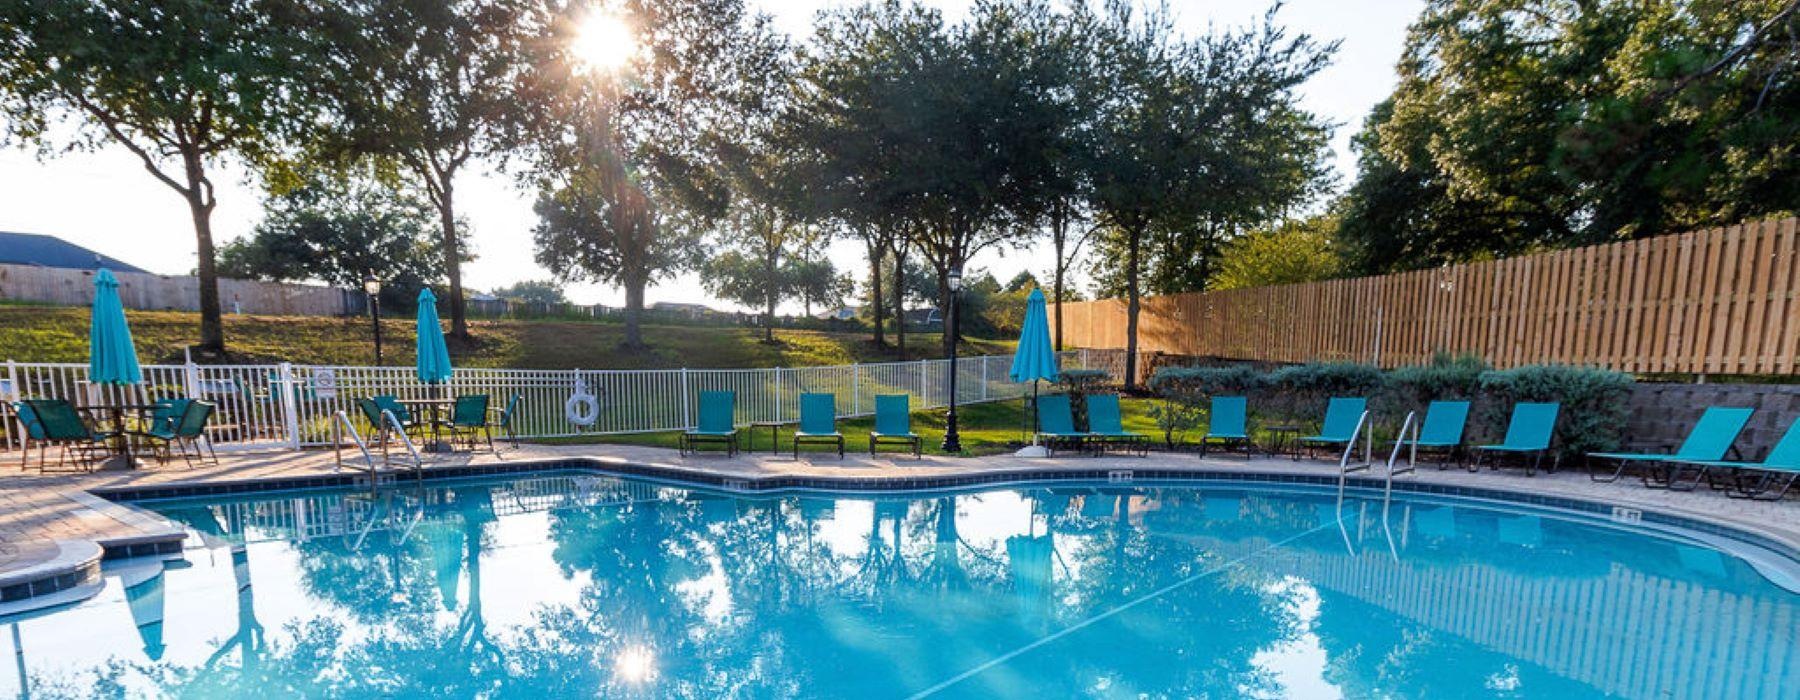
774 435
122 458
434 408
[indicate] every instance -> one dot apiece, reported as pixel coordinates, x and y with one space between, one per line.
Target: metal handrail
340 423
393 421
1344 466
1412 458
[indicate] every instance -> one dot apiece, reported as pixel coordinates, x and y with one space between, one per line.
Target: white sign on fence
324 383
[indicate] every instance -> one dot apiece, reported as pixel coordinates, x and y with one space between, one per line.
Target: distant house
49 251
690 310
842 313
923 317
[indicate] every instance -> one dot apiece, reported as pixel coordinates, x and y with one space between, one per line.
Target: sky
104 199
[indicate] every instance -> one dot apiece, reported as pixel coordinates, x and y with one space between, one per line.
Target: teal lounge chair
818 423
893 423
1442 430
715 426
60 424
1106 425
1056 423
1708 441
187 431
372 407
1342 416
1228 423
1528 433
1768 480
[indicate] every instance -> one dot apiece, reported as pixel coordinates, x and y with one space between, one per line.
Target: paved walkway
38 511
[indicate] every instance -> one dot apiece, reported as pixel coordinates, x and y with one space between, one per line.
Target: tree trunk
459 325
771 264
212 324
634 312
900 298
875 299
1134 242
1059 223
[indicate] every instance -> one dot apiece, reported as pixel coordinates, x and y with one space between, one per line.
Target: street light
372 287
952 441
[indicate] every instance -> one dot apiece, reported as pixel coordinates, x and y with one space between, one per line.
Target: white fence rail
254 412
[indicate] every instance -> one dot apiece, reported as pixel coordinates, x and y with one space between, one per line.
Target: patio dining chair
1768 480
893 423
186 433
502 419
716 425
1106 425
1708 441
469 419
1228 423
818 423
1342 417
1056 423
1528 433
60 424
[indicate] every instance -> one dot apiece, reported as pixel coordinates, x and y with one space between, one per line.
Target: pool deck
55 521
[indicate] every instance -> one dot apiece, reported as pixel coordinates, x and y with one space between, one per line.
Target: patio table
435 409
122 458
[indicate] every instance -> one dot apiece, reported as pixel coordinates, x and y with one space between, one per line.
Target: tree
534 292
1192 135
1022 282
434 86
1521 124
182 84
339 228
630 180
817 282
1294 251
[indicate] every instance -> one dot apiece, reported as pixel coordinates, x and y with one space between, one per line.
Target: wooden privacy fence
137 290
1720 301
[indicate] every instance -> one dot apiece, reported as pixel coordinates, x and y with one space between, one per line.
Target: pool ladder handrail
1367 433
393 421
1412 456
340 424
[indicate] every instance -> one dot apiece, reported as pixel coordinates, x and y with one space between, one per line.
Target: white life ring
582 409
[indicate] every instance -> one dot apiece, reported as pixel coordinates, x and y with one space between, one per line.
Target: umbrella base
1033 451
119 463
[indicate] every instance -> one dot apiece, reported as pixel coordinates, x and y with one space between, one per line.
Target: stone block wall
1662 414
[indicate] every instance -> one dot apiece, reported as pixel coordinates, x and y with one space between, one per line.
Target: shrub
1174 416
1447 378
1195 382
1301 390
1079 383
1594 402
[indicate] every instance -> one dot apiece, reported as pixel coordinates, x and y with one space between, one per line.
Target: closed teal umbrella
434 356
111 357
1035 358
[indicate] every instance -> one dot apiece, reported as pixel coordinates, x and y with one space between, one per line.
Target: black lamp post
372 287
952 441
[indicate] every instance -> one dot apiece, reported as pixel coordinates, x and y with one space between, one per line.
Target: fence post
191 373
687 422
984 378
12 385
924 384
856 389
780 389
290 406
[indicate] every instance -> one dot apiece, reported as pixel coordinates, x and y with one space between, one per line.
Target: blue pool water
574 584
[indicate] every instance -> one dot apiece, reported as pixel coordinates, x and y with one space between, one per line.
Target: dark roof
50 251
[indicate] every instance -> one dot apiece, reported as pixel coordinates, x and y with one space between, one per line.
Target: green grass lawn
990 428
59 334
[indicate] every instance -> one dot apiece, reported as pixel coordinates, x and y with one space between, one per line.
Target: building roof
50 251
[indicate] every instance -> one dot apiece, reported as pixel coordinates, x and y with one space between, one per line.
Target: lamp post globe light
372 287
952 441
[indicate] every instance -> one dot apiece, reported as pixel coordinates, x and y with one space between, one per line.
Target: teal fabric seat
1056 422
1708 441
893 423
187 431
818 423
469 420
1228 423
58 423
1528 433
1442 429
1342 415
716 423
503 418
1769 480
1106 425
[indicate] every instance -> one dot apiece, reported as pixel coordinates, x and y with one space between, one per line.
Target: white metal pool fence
254 412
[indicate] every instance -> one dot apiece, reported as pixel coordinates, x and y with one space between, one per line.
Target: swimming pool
577 584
